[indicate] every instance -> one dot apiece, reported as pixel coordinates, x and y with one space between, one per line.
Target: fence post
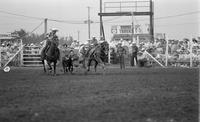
0 54
166 51
21 53
191 46
109 54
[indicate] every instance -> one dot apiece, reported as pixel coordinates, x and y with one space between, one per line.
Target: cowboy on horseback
50 52
53 37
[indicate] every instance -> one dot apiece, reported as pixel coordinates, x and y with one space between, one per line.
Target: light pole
45 26
88 22
132 27
78 35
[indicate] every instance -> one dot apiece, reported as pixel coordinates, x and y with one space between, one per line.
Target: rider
93 45
94 41
53 37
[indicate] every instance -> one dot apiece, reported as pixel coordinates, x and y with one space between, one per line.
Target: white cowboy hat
54 29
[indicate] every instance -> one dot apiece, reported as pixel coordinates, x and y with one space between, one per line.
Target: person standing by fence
121 52
134 54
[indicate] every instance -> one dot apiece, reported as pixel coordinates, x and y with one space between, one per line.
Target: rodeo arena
137 75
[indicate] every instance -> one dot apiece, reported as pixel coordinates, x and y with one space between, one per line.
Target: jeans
121 61
134 56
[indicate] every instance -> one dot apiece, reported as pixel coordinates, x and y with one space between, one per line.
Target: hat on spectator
143 49
133 43
120 43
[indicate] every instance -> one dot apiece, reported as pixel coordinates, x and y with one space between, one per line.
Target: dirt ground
131 95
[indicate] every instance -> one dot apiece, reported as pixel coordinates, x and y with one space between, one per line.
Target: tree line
28 38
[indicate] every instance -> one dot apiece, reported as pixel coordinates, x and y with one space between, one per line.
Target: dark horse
98 54
51 55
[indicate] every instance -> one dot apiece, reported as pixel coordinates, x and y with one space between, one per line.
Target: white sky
76 10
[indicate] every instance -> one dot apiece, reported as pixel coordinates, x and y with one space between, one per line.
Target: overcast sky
76 11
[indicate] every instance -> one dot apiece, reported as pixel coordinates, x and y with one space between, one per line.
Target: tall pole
21 53
45 26
78 35
100 18
133 39
166 51
191 46
151 20
89 22
0 53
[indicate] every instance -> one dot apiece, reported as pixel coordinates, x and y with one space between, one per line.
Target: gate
31 56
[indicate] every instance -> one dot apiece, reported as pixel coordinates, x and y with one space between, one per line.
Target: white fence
31 56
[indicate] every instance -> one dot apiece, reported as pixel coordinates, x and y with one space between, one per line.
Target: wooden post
138 41
101 19
45 26
133 28
191 46
78 35
0 54
151 20
21 53
109 54
89 21
166 51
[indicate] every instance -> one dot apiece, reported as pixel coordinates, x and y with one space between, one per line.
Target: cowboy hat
54 29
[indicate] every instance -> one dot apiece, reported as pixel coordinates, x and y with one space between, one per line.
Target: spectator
134 54
121 52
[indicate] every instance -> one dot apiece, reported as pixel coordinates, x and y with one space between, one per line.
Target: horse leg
95 66
54 67
102 64
50 68
89 63
44 66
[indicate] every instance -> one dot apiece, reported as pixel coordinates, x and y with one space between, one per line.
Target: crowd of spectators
8 49
178 51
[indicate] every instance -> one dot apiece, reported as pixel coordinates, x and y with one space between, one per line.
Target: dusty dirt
132 95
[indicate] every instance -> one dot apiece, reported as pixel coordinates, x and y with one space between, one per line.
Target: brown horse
51 55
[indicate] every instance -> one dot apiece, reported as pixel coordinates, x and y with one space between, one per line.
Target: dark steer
67 64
